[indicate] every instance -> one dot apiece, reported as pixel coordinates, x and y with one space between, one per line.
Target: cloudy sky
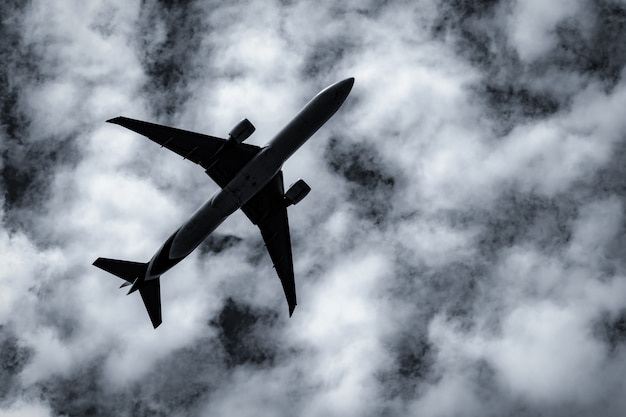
460 254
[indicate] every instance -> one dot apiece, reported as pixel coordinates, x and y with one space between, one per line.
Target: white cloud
547 355
533 24
24 409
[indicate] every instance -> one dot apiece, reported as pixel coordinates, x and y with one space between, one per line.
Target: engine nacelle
241 131
297 192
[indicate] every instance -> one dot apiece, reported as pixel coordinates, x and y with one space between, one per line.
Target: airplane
250 178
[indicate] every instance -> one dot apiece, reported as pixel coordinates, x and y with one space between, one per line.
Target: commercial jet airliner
250 179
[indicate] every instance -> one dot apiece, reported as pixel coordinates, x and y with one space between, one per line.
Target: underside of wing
268 211
222 159
231 159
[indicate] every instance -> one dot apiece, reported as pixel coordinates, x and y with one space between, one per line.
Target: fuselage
250 180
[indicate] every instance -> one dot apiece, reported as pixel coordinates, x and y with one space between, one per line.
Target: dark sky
461 252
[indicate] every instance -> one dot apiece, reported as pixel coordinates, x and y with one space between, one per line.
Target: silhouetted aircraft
250 178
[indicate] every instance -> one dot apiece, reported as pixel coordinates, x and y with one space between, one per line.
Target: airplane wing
198 148
267 209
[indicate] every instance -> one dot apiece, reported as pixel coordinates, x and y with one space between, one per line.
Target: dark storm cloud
180 382
587 44
479 34
246 334
30 155
611 329
21 68
20 60
323 57
460 253
170 36
597 49
371 185
217 243
14 358
414 360
512 103
517 218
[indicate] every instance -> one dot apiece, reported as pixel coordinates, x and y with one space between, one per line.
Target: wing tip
292 307
115 120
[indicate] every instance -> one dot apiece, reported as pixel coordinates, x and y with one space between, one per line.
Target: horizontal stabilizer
126 270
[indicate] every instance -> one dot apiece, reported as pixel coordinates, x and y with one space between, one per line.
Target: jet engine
241 131
296 192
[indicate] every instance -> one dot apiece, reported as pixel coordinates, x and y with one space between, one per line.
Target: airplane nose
346 85
343 88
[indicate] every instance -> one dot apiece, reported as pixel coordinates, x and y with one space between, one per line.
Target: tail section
134 273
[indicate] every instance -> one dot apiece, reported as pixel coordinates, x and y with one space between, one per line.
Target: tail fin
151 295
131 272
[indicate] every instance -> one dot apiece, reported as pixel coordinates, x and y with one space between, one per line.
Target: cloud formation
460 253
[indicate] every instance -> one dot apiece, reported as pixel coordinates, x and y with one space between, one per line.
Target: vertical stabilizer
151 295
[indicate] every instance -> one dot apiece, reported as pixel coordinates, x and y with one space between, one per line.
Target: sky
460 253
